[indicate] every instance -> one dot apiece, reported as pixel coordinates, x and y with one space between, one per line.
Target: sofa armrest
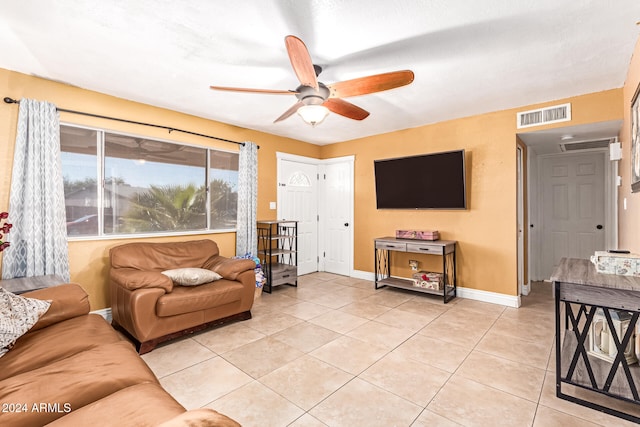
132 279
201 417
230 268
67 301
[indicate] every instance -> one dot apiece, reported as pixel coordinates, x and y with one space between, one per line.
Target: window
223 184
79 148
146 186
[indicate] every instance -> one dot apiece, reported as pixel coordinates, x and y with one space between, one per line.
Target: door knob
599 226
346 224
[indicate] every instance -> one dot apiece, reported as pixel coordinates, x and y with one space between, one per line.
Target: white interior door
298 200
573 212
337 217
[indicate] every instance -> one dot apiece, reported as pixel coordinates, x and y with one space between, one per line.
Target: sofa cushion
132 279
57 342
230 268
191 276
17 315
71 383
163 256
141 405
185 299
67 301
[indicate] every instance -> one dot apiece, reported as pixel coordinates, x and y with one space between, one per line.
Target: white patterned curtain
36 203
246 233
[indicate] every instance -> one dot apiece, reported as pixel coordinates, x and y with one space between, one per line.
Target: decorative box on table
620 264
428 280
418 234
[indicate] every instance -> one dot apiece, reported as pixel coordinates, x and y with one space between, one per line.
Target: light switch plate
272 205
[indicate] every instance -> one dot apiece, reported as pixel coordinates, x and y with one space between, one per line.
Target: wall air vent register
544 116
586 145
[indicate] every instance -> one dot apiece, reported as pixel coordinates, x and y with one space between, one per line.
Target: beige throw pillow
18 315
191 276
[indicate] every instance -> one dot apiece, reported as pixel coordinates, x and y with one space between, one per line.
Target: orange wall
629 219
89 259
486 231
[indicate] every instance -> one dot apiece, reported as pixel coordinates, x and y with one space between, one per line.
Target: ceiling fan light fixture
313 114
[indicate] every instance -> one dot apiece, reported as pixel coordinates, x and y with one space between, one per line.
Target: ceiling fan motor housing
309 96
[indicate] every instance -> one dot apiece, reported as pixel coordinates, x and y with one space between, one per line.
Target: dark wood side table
583 293
26 284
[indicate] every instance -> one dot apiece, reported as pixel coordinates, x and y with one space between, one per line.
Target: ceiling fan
315 99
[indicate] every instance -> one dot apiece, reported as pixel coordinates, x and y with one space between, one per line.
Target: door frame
523 282
536 213
322 196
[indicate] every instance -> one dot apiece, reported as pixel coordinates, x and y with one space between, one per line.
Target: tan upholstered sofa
151 308
72 369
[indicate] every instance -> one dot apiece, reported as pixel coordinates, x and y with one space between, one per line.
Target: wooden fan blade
301 61
289 112
370 84
242 89
347 109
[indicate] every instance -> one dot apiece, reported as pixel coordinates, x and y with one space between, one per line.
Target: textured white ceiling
468 56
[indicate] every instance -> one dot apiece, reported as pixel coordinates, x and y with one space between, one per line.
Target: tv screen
429 181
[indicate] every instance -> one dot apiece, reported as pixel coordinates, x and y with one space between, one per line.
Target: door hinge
318 217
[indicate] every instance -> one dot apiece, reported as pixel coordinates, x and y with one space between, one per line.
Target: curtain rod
170 129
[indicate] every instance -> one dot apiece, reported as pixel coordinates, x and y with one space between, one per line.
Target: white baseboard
492 297
364 275
526 288
469 293
104 312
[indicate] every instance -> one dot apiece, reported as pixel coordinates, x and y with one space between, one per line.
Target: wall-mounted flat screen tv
428 181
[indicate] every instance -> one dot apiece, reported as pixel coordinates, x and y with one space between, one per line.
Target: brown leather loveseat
150 307
72 369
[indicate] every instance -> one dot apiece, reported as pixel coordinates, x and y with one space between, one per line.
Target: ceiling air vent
543 116
586 145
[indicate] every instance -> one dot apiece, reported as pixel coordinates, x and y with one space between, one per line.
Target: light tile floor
336 352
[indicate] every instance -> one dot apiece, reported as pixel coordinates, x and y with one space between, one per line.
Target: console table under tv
444 248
